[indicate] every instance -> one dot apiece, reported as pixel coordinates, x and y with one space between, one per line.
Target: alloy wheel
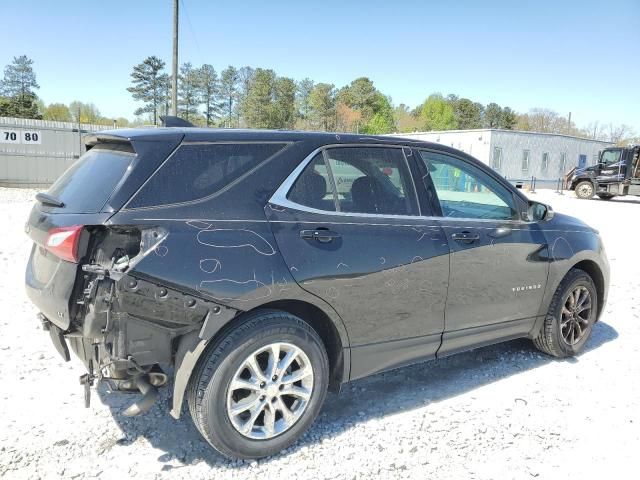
270 391
576 315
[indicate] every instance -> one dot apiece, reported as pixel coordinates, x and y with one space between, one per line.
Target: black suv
266 267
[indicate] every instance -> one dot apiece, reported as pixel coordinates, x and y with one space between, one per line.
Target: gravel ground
499 412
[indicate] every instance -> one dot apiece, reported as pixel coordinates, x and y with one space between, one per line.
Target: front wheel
257 390
584 189
571 316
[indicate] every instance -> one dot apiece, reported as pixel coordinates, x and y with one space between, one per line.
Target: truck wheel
571 316
256 391
605 196
584 189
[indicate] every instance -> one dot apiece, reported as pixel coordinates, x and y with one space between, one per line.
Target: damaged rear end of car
79 271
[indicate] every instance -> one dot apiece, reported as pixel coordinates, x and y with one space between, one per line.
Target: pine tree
209 87
148 86
18 87
189 99
229 91
257 106
322 106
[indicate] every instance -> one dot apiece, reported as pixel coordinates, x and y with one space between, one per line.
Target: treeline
18 98
260 98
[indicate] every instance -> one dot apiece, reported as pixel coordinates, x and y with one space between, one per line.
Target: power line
193 32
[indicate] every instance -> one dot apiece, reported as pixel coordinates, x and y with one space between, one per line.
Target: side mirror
539 212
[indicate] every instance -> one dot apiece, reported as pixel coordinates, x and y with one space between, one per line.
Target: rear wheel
257 390
584 189
571 316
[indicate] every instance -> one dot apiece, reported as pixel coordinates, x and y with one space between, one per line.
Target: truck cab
617 173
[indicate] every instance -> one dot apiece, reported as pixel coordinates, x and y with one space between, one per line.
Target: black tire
604 196
585 190
550 339
210 381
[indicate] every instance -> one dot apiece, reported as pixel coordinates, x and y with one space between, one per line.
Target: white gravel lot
499 412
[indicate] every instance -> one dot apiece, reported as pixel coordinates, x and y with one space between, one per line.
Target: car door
498 276
348 224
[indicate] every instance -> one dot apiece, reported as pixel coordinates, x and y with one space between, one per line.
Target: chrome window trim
280 199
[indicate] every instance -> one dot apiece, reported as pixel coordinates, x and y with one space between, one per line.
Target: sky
581 57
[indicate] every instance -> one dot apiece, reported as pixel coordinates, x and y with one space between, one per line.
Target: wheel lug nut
263 384
281 387
262 397
274 378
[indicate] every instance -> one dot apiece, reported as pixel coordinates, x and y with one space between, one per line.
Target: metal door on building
582 161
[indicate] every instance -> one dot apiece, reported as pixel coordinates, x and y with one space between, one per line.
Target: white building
518 155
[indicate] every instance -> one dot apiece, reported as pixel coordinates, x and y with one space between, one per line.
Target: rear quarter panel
221 248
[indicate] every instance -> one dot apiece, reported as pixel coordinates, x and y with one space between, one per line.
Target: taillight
63 242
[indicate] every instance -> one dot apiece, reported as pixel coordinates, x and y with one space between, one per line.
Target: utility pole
174 70
569 127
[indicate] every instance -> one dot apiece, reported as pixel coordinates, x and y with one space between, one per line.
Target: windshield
87 185
610 156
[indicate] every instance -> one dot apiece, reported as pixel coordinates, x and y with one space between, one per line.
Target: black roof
232 134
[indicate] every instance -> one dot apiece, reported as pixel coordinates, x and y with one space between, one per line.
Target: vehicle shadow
386 393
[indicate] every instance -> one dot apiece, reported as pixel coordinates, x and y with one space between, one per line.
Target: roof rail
171 121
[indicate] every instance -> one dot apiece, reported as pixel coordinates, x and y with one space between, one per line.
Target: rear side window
87 185
372 180
369 180
313 187
197 171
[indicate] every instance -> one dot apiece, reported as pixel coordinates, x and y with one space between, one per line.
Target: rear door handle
322 235
465 237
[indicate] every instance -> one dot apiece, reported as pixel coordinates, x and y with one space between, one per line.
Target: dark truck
617 173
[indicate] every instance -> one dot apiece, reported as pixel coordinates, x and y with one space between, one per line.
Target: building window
496 162
525 160
563 162
545 162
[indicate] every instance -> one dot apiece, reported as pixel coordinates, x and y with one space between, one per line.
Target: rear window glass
197 171
88 184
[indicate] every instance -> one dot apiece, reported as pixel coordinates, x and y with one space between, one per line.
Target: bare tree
620 134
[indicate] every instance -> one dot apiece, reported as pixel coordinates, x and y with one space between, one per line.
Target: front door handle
322 235
465 237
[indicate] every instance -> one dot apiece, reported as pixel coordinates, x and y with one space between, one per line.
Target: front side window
525 160
196 171
465 191
610 156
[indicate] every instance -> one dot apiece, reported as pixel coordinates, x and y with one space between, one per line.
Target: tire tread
545 341
217 351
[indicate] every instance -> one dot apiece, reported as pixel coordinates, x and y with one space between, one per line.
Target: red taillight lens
63 242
